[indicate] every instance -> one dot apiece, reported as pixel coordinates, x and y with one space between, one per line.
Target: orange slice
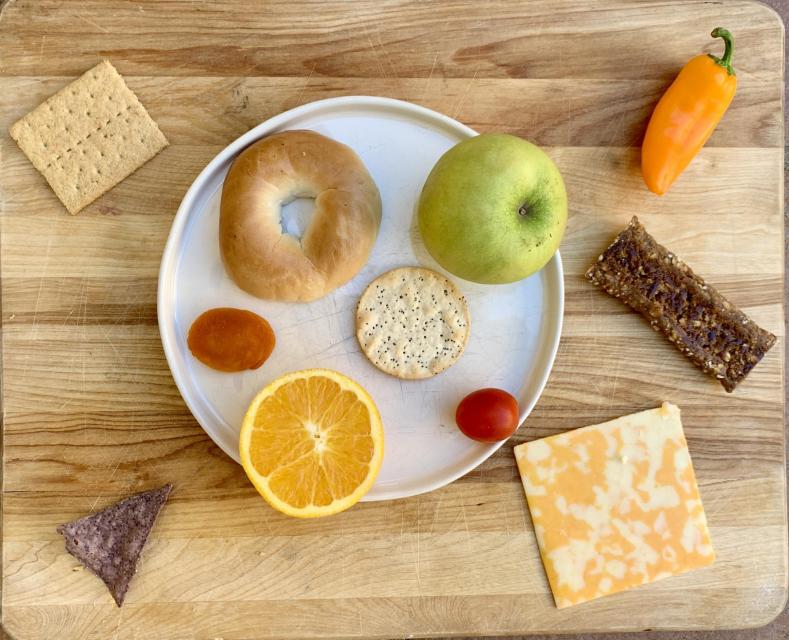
312 443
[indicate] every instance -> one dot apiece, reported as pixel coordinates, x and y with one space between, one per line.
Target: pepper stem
725 61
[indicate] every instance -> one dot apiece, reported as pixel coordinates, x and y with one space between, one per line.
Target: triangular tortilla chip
109 542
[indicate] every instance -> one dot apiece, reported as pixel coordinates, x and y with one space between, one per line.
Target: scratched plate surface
514 328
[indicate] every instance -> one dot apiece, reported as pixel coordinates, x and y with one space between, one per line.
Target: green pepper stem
725 61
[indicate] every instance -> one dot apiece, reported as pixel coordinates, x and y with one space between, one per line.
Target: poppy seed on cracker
412 323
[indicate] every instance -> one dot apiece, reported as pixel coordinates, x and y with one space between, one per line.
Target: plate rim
168 269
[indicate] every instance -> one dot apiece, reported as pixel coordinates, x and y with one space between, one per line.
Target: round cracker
412 323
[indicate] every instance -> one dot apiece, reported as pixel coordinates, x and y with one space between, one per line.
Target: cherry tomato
488 415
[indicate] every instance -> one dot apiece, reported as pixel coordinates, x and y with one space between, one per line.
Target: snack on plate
109 542
312 443
259 255
228 339
89 136
493 209
488 415
615 505
412 323
716 336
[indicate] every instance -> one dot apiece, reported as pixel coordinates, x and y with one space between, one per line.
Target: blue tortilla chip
109 542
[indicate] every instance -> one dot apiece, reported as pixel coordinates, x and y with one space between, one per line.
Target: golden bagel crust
270 264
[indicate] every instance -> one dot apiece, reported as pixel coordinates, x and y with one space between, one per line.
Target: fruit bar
716 336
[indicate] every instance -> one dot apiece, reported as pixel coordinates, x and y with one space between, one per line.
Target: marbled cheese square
615 505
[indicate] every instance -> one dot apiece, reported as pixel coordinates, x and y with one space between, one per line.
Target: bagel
267 262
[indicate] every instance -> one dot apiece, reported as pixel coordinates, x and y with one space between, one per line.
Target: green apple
493 209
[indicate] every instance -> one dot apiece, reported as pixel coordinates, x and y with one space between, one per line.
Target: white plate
515 328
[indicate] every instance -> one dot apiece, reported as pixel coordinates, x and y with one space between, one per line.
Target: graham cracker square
89 136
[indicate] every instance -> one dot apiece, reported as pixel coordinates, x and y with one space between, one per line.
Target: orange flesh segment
312 441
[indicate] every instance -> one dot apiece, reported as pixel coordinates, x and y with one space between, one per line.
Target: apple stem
523 210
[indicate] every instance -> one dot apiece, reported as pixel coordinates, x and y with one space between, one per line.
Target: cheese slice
615 505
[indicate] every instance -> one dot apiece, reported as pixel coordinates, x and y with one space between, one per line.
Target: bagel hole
296 214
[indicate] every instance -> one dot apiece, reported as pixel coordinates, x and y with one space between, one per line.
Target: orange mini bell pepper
686 115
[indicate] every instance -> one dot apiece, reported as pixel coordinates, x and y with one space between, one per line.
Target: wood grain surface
91 412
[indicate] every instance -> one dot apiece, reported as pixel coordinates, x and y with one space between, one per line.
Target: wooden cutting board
92 414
